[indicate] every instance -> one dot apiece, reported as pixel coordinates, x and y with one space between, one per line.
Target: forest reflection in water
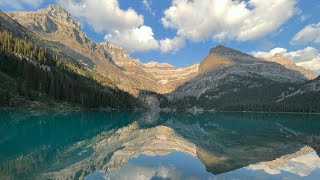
97 144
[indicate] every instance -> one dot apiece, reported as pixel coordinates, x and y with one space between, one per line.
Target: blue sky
198 25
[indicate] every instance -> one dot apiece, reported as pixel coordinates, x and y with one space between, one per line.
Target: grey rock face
311 87
47 20
150 100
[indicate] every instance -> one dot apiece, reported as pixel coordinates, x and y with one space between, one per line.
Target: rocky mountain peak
48 20
224 56
54 23
59 14
223 50
57 10
235 55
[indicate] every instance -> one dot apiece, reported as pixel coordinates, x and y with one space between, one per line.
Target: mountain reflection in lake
127 145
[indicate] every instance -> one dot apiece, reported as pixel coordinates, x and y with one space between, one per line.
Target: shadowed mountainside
36 70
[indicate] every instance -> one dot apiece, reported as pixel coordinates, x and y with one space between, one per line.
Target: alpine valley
46 60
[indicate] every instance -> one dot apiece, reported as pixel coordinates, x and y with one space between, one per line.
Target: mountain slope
306 98
310 87
37 70
107 60
58 26
226 79
288 63
237 80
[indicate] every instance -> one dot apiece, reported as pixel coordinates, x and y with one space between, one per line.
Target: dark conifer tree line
38 73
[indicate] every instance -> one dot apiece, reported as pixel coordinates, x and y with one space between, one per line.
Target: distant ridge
290 64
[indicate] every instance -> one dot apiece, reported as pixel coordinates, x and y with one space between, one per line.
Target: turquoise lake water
152 145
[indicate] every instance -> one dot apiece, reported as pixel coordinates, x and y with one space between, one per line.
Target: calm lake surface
152 145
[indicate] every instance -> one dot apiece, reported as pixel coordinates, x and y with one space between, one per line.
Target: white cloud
310 33
174 44
130 171
19 4
303 55
123 27
103 15
271 53
302 165
199 20
304 17
313 64
147 5
138 39
308 57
